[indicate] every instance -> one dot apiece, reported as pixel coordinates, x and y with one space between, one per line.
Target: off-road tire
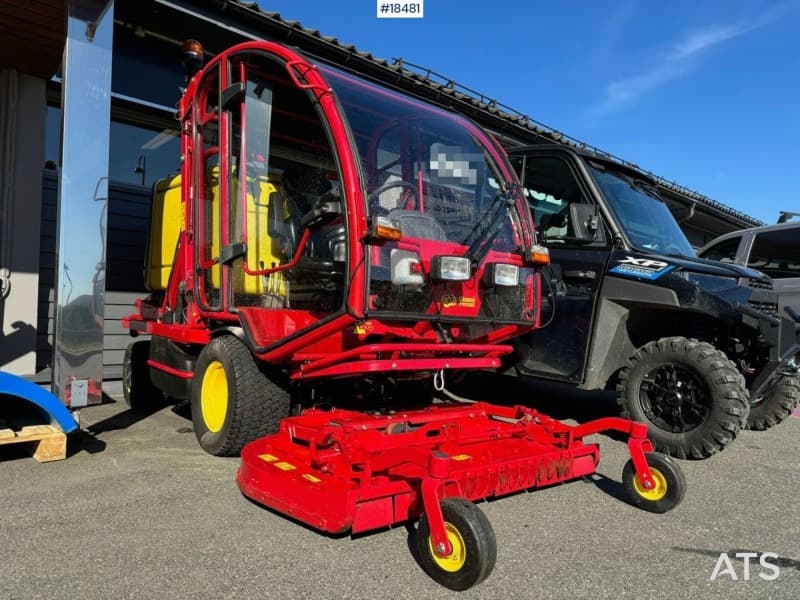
255 403
776 405
726 399
137 388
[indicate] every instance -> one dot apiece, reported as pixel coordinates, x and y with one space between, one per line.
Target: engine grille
760 284
771 308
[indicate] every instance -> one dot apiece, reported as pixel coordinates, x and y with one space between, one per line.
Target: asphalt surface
139 511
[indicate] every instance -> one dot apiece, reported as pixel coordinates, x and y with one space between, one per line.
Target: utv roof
589 154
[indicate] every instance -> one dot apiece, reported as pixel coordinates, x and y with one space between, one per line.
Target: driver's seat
419 225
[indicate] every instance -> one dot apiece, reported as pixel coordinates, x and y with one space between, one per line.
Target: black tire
774 406
247 403
670 484
475 547
137 387
689 394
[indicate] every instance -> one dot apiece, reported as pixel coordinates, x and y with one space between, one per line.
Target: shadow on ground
557 400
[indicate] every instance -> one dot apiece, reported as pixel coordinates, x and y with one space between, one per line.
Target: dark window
641 212
725 251
146 68
140 155
137 155
550 188
777 253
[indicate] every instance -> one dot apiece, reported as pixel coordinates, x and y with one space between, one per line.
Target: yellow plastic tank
167 221
166 224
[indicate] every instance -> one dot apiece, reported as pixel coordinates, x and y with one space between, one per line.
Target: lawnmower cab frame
681 338
330 228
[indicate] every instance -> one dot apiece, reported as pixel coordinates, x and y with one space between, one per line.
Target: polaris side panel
611 344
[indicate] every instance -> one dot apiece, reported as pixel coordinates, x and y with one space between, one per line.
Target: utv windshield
642 214
425 169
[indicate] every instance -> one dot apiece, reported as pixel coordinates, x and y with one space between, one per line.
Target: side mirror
586 222
275 221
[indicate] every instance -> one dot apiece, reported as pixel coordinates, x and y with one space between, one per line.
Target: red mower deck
341 470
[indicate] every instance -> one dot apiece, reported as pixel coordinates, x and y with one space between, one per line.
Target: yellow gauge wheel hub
214 396
658 491
456 559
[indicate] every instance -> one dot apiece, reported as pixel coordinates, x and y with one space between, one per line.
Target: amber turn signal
540 255
385 229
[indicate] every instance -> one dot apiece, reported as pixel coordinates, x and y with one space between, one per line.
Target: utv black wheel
775 405
137 388
472 539
689 394
233 400
669 489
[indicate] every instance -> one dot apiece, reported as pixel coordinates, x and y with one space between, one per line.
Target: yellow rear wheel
234 401
214 396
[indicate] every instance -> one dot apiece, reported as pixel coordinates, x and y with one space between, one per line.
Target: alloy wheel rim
674 397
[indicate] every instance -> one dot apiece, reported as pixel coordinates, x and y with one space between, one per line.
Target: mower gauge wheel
669 488
474 548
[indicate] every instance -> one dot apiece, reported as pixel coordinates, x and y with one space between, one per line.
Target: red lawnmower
333 242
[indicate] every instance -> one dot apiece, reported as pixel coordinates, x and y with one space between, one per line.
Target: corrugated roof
433 85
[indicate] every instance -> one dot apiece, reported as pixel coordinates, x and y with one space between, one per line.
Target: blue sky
706 94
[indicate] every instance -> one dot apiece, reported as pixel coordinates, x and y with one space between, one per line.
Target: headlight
501 274
709 283
450 268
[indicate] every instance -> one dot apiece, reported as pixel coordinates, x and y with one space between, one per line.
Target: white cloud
681 59
702 40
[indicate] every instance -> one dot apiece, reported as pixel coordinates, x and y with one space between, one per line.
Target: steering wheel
372 199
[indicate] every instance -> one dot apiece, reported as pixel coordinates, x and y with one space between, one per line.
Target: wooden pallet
48 442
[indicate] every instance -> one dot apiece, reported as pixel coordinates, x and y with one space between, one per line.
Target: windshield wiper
489 224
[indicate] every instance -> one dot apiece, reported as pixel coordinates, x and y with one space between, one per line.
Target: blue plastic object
47 402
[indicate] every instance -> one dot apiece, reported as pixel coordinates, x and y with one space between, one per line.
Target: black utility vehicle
775 251
682 339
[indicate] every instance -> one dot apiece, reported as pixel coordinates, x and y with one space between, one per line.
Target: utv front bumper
782 334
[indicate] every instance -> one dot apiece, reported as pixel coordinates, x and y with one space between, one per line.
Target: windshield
642 214
424 168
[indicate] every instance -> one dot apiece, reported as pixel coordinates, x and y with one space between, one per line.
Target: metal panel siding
128 222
